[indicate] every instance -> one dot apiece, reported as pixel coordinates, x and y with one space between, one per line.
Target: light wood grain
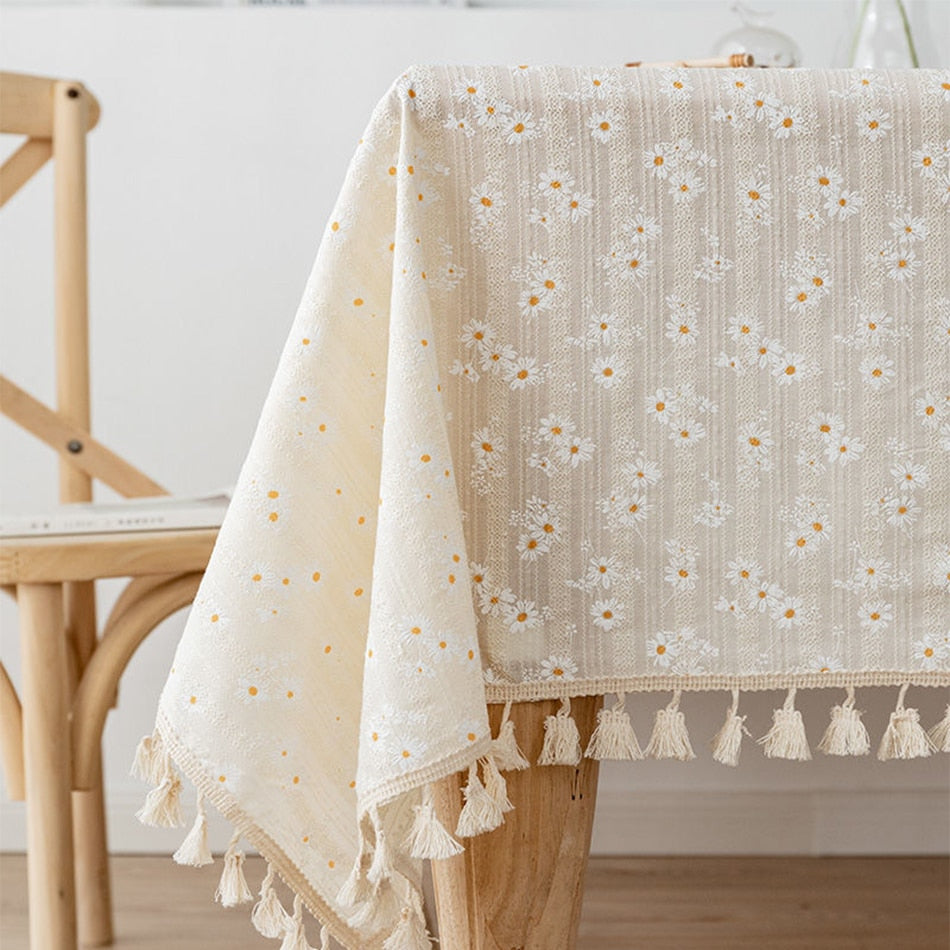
521 885
731 903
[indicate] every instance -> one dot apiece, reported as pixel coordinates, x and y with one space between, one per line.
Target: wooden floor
630 904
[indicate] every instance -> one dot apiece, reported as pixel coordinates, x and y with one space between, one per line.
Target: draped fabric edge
486 799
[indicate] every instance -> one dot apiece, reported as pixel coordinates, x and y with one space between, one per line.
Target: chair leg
93 890
46 741
522 885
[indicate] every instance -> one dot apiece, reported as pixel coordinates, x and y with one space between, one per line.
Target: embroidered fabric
603 380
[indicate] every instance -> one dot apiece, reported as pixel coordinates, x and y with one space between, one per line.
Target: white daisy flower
663 405
486 202
824 180
682 332
827 425
788 612
628 510
558 668
486 444
603 571
521 616
928 160
909 228
873 124
687 432
930 409
603 124
643 471
642 227
765 597
576 450
755 198
845 449
663 648
843 205
754 440
901 265
494 601
681 573
530 547
676 84
874 328
464 370
523 371
759 106
520 127
786 121
744 329
685 185
496 358
789 367
606 371
477 334
555 183
602 328
660 159
744 572
828 664
457 123
902 511
606 614
931 651
556 428
877 371
575 206
871 573
875 616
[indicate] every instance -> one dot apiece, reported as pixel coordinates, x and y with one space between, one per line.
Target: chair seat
85 557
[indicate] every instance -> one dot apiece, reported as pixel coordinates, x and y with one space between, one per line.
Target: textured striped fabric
604 381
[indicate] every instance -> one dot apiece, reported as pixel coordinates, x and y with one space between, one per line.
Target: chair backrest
55 115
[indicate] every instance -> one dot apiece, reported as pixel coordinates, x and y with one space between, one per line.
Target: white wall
224 138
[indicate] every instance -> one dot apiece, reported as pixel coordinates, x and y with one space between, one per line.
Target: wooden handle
735 61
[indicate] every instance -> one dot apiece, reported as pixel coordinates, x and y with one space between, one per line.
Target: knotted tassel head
194 850
150 763
904 737
269 917
481 812
162 806
428 839
410 932
232 888
940 734
295 937
846 734
786 739
727 743
669 739
614 738
508 757
562 742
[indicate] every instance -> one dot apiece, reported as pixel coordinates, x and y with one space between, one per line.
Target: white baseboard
657 822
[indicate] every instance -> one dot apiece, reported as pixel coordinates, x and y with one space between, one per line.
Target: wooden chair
51 734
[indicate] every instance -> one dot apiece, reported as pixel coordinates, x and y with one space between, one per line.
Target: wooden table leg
46 741
520 887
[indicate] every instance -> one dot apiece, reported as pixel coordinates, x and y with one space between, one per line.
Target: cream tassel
356 888
670 740
940 734
786 739
428 839
295 937
232 888
727 743
269 917
614 737
324 937
508 757
162 806
150 759
481 812
381 867
562 742
194 850
495 784
410 933
904 737
846 734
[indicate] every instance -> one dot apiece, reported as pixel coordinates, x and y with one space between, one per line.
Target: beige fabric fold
604 379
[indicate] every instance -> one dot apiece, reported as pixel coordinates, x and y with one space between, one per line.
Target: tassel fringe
162 806
481 812
295 937
786 739
324 937
904 737
504 749
410 933
940 734
428 839
727 743
232 888
381 867
194 850
269 917
614 737
562 742
846 734
150 762
669 739
495 784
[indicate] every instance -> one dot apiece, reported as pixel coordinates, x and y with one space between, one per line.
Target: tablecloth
604 381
